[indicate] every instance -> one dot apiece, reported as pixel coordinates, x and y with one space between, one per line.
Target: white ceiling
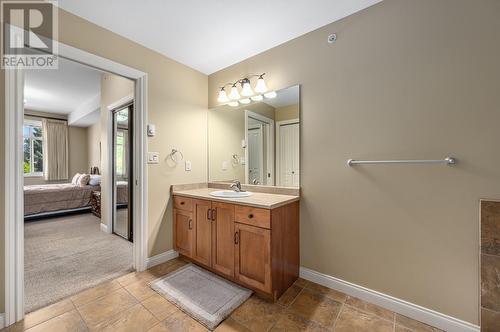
211 35
65 90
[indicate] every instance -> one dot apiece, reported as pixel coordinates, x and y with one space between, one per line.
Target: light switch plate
153 157
187 166
224 165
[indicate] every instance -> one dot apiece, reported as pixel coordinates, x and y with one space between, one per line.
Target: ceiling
63 90
211 35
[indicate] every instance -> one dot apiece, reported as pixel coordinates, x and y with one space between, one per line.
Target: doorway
288 161
259 154
123 155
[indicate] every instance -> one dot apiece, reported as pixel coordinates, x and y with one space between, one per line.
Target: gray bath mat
203 295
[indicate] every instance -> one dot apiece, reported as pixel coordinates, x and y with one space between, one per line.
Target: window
33 148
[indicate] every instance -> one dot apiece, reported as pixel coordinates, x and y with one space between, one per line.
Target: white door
289 155
255 159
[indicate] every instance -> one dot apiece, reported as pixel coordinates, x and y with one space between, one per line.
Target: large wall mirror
257 143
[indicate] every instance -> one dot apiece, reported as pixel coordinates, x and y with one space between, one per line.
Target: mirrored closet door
122 171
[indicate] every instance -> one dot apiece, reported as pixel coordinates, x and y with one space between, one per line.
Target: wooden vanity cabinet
255 247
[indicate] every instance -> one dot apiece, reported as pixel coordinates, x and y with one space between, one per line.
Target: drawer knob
250 216
182 203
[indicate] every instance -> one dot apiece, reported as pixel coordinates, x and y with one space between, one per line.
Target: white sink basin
230 194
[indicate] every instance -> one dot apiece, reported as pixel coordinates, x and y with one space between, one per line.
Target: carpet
65 255
203 295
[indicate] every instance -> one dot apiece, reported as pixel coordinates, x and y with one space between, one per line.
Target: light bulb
245 101
257 98
260 87
234 93
233 103
247 89
222 96
270 94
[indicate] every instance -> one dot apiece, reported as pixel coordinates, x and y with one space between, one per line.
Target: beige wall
405 79
177 105
77 149
286 113
93 145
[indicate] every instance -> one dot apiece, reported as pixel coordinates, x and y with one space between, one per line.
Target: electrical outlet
187 166
153 157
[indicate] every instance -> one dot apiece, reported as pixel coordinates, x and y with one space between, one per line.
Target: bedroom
65 146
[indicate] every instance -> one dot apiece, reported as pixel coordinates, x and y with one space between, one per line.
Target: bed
56 197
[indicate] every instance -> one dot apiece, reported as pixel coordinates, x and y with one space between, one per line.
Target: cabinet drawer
253 216
183 203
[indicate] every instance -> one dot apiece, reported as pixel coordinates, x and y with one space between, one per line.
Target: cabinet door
223 238
253 256
183 232
202 251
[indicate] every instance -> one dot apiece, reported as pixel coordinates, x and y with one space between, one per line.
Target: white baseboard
402 307
161 258
2 320
104 228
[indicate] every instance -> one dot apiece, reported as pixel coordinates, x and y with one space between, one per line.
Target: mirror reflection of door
260 149
122 172
288 153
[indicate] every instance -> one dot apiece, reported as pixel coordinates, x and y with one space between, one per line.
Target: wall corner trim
161 258
399 306
2 320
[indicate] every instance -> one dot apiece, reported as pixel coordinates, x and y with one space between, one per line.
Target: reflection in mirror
256 143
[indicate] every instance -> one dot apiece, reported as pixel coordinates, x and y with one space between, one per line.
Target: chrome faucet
236 186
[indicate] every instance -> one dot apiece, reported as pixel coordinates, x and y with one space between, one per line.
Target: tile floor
128 304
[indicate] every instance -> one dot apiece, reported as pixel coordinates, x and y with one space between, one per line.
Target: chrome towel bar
448 161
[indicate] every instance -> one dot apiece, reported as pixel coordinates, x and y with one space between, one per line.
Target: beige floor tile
179 321
230 325
490 320
370 308
166 268
257 314
289 322
135 277
159 306
105 308
290 295
331 293
135 319
301 282
94 293
414 325
316 307
67 322
352 320
43 315
140 290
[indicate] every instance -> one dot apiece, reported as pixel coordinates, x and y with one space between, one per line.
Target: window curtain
55 149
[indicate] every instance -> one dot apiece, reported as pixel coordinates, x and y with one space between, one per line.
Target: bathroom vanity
252 241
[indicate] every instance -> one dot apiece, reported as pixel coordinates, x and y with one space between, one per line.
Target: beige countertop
257 199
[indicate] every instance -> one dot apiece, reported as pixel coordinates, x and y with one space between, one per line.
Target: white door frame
278 126
269 147
14 197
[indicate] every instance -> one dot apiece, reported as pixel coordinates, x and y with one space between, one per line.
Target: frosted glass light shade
261 86
222 98
257 98
247 89
270 94
234 94
245 101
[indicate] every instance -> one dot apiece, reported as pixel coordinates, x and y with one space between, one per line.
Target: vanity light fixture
234 94
222 96
233 104
246 90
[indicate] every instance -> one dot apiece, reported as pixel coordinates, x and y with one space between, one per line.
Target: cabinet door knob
214 214
182 203
236 237
209 214
190 224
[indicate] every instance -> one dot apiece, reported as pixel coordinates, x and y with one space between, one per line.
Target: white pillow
74 181
95 180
